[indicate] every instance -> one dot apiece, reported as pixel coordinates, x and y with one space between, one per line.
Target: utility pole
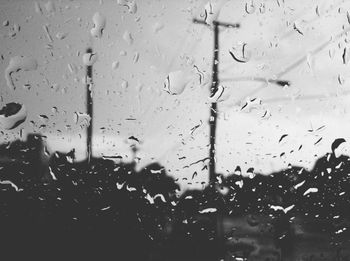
218 217
213 89
89 108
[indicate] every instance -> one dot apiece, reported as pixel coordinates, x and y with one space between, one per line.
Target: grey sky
290 39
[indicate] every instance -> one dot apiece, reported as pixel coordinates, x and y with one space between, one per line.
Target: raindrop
296 27
250 7
285 210
282 137
176 82
128 38
53 176
61 36
50 7
317 10
341 79
262 8
43 118
208 210
299 184
336 146
37 7
99 25
81 118
139 87
218 96
238 170
136 57
250 173
132 7
309 61
124 84
240 53
157 27
27 86
251 104
72 68
115 65
211 12
12 115
310 190
345 55
13 185
318 141
54 110
267 114
16 64
89 58
47 32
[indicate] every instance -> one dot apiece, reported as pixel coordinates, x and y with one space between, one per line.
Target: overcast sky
304 42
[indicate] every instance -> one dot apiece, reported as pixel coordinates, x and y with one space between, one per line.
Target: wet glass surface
175 130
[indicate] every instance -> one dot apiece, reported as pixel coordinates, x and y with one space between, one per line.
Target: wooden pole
218 217
89 108
213 106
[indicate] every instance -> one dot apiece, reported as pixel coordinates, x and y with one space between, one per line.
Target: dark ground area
107 211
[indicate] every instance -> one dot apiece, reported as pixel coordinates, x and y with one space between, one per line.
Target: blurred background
142 42
283 108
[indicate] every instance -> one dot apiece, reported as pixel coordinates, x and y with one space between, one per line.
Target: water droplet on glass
128 38
262 8
99 25
310 190
341 79
37 7
47 32
61 36
115 65
12 115
50 7
157 27
219 95
136 57
43 118
250 7
72 68
16 64
54 110
132 7
211 12
81 118
124 84
89 58
240 52
176 82
251 104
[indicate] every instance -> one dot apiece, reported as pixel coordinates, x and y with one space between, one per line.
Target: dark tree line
104 209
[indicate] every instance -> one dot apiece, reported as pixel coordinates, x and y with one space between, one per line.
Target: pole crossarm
278 82
222 24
